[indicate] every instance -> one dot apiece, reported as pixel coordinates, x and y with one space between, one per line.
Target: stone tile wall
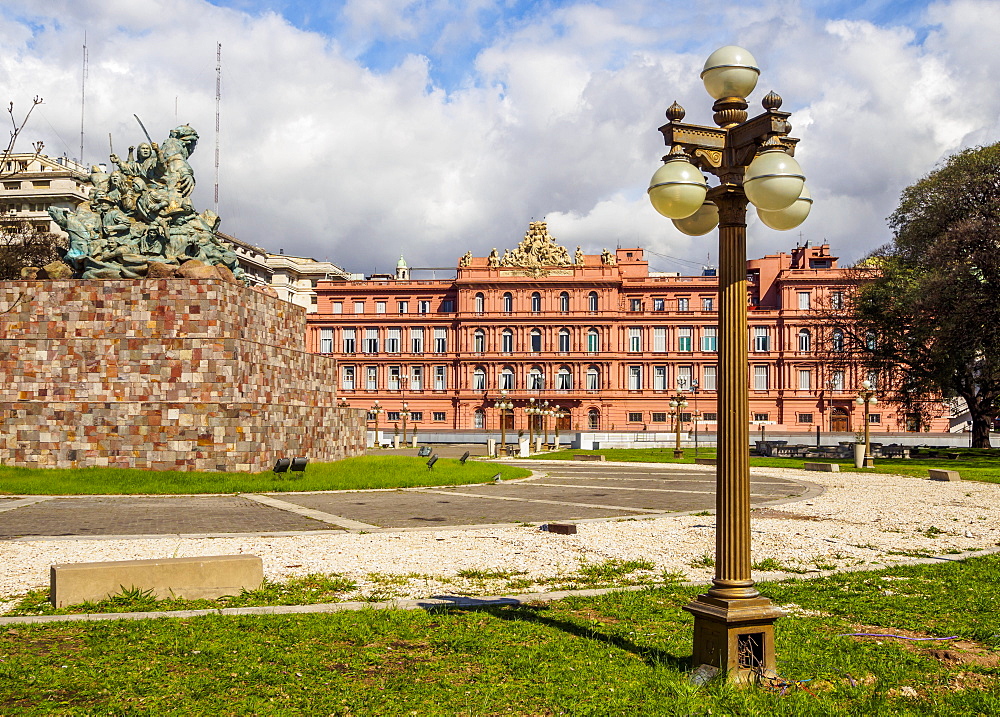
164 374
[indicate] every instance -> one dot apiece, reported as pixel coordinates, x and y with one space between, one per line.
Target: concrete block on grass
941 474
205 577
828 467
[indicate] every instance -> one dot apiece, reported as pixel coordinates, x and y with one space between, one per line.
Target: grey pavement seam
552 502
346 523
21 502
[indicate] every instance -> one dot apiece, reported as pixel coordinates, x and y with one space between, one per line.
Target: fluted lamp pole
404 414
376 409
530 411
866 398
677 404
752 159
503 405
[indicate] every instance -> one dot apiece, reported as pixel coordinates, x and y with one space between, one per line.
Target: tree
23 245
925 313
15 132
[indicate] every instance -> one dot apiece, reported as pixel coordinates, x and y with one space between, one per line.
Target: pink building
600 336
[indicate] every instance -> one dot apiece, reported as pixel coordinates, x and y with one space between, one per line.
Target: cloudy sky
359 130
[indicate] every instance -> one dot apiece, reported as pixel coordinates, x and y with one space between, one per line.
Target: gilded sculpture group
141 214
537 249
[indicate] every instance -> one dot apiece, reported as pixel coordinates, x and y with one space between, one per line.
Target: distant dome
401 264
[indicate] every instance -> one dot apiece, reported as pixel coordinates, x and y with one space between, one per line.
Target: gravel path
858 520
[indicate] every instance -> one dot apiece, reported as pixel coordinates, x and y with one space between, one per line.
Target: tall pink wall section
168 374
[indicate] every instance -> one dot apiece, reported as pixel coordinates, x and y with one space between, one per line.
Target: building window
837 381
371 378
592 301
805 418
392 340
635 378
872 377
838 340
348 381
536 302
536 379
634 417
805 340
479 341
423 307
416 416
564 302
394 374
564 340
709 417
635 339
636 304
507 341
593 341
659 340
761 339
659 378
507 379
440 341
684 338
874 418
479 379
379 307
508 302
326 341
683 378
707 303
593 419
593 379
536 340
709 339
683 304
805 380
417 340
416 378
870 341
803 301
837 300
448 306
760 378
564 379
337 307
439 415
480 303
371 341
403 307
392 416
440 378
659 418
314 300
708 378
760 417
359 307
478 418
659 304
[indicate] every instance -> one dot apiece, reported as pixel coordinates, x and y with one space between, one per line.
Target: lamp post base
678 453
735 635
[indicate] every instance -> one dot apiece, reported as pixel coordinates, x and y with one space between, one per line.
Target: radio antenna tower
83 94
218 102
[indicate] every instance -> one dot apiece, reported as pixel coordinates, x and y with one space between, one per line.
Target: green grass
625 653
972 463
350 473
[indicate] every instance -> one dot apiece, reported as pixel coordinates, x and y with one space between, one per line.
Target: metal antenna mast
218 102
83 94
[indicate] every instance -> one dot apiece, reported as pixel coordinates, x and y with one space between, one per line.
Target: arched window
593 340
564 340
592 301
593 419
870 342
564 379
536 379
507 379
838 339
507 341
479 418
536 340
479 341
805 340
536 302
508 302
479 379
564 302
480 303
593 379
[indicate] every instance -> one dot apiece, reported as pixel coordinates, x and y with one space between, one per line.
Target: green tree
926 311
23 245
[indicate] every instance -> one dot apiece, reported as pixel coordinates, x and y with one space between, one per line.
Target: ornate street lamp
559 414
752 158
530 410
545 412
866 398
404 414
376 409
677 404
503 405
694 415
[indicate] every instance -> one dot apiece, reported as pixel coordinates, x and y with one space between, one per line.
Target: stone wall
183 374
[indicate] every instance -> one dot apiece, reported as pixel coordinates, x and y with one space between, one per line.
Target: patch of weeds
489 574
614 569
670 577
931 532
387 579
768 564
821 564
705 561
704 512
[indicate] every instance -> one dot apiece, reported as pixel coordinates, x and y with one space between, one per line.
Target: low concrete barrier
705 461
584 457
941 474
206 577
828 467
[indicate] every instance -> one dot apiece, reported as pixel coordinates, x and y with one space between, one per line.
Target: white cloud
555 116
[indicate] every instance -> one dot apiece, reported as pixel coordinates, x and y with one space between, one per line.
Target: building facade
600 336
33 183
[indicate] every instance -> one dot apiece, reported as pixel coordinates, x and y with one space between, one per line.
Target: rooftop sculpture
139 220
538 248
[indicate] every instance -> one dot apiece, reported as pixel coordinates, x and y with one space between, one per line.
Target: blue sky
365 129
